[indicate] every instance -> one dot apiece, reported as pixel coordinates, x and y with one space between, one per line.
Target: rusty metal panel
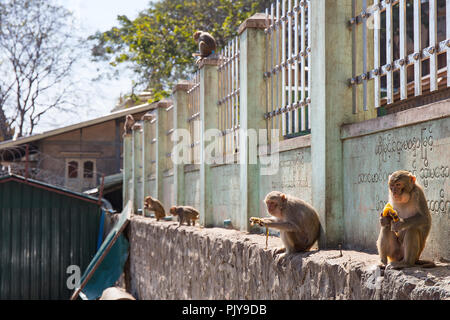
43 230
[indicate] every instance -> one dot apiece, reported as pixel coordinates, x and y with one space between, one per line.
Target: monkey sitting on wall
403 241
129 122
185 213
297 221
156 206
206 45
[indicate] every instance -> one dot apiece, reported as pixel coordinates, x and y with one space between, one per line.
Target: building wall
192 188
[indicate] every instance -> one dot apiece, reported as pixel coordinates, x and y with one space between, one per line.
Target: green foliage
159 43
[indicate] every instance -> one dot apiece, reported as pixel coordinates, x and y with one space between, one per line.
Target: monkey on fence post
297 221
155 205
206 45
129 122
402 241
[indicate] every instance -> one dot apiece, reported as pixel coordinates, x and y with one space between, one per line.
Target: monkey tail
425 263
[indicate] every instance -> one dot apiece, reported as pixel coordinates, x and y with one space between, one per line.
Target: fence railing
228 96
288 62
409 42
153 151
194 117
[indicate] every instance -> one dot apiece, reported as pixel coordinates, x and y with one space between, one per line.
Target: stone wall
422 148
171 262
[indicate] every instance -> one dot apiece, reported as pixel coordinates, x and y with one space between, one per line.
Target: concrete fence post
127 167
147 156
137 168
208 120
161 137
180 115
252 109
331 106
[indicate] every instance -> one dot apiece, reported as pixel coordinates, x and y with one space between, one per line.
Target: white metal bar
403 52
278 58
272 55
433 43
418 48
389 53
302 68
376 54
447 22
283 69
364 34
309 61
296 63
289 65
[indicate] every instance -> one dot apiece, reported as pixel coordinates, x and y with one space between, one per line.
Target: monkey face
274 208
400 186
173 211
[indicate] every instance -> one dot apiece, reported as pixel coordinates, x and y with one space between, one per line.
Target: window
73 169
88 169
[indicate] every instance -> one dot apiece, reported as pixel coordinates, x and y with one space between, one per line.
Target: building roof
119 114
49 187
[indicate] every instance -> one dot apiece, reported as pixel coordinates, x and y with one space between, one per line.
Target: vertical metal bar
283 69
447 22
376 54
272 57
418 48
403 53
309 24
278 88
289 65
238 86
354 60
267 66
302 69
389 53
296 63
364 34
433 45
232 76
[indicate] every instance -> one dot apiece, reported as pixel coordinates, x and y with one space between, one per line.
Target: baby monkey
156 206
206 45
185 213
402 241
297 221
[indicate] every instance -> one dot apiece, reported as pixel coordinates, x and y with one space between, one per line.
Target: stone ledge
171 262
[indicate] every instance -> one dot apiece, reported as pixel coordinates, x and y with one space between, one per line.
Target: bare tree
38 50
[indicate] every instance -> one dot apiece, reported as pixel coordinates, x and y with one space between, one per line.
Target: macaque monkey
156 206
206 44
129 122
403 241
185 213
297 221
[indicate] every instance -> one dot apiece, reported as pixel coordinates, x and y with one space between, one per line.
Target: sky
92 16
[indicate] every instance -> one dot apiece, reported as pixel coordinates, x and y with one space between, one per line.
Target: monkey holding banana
155 205
297 221
402 241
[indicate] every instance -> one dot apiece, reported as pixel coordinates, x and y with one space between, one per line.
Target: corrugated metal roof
43 230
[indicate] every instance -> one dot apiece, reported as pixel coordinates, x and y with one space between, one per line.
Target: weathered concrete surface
167 262
192 188
293 177
424 150
168 197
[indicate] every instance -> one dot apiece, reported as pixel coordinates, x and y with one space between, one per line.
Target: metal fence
194 117
410 39
228 96
288 62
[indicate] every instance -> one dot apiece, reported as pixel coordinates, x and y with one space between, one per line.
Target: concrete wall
226 202
167 262
408 142
293 176
168 198
192 188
